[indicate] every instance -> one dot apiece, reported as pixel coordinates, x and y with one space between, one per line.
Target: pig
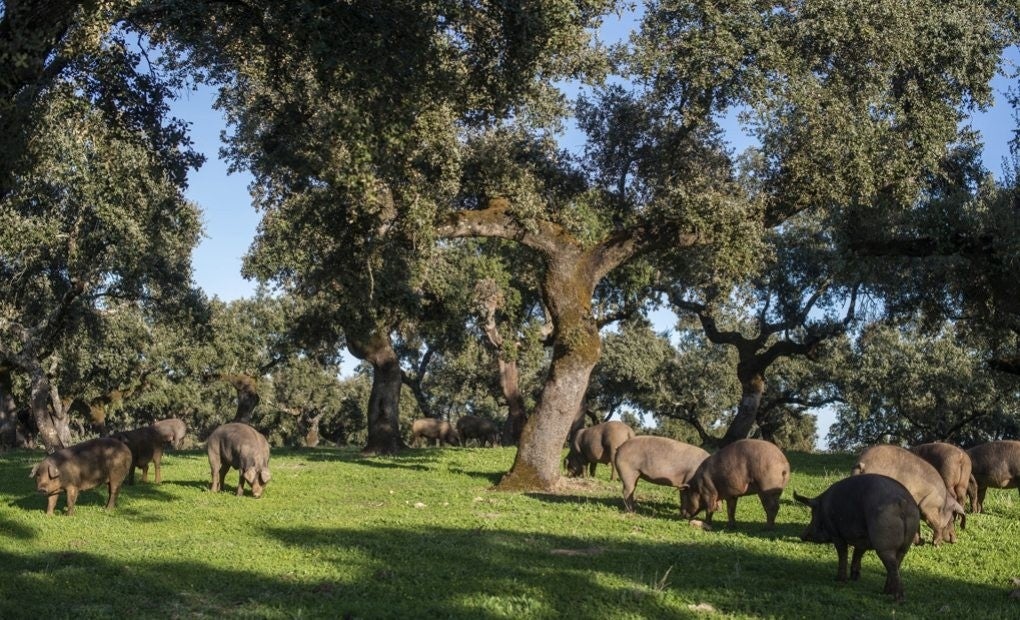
146 445
938 508
659 460
868 511
482 429
172 430
995 464
743 467
596 444
952 463
245 449
82 467
440 431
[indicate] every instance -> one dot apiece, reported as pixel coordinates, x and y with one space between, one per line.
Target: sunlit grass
421 535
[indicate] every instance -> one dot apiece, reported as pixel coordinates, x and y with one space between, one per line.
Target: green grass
422 536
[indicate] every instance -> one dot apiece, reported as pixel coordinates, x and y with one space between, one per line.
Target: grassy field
421 536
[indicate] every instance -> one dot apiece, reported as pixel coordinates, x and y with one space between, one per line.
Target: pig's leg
731 512
612 466
72 497
214 468
145 472
855 563
224 468
51 503
114 489
770 502
629 484
982 489
156 458
591 469
891 561
841 554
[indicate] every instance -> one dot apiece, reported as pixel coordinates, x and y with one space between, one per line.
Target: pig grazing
440 431
659 460
483 430
596 444
82 467
172 430
869 511
995 464
744 467
242 447
952 463
937 506
146 445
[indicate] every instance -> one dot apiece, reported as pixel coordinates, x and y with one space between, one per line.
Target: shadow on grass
498 573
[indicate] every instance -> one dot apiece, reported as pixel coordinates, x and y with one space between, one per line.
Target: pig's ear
54 472
35 468
249 475
804 500
265 476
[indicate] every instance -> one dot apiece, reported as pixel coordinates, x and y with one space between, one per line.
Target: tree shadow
17 530
202 485
559 498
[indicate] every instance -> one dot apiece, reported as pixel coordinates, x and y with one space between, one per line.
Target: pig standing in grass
938 508
440 431
744 467
146 445
242 447
659 460
596 444
173 431
481 429
868 511
995 464
82 467
952 463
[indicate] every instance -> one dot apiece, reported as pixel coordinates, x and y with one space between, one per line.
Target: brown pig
172 430
938 508
481 429
659 460
242 447
744 467
995 464
952 463
596 444
146 445
82 467
868 511
432 429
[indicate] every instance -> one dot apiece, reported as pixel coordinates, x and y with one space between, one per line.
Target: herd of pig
879 506
113 459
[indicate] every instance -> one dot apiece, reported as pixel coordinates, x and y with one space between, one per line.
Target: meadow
421 535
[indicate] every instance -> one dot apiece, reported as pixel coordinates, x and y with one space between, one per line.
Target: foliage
337 534
905 384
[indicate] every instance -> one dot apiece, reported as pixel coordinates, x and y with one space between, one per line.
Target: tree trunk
509 382
752 386
8 410
309 424
568 288
384 402
49 414
247 396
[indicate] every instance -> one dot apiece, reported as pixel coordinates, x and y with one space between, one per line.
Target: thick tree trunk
247 396
752 386
49 414
509 382
568 289
8 410
384 402
309 425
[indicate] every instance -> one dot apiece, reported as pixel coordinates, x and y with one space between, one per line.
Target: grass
422 536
